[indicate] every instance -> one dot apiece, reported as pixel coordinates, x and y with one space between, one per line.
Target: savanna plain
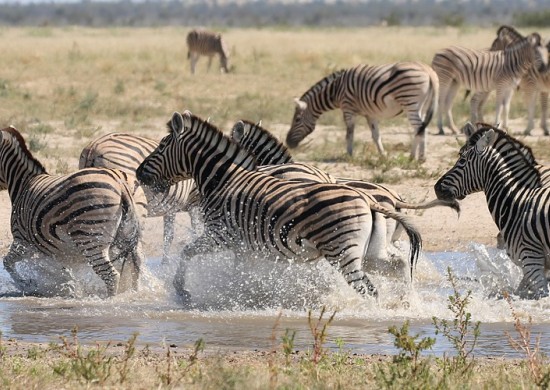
62 87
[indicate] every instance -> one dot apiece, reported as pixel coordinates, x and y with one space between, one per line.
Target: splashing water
235 302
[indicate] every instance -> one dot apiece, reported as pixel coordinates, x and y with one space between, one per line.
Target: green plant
460 332
319 332
407 368
92 366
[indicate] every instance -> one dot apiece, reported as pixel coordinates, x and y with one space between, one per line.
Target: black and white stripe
86 215
375 92
507 172
251 212
125 152
485 71
207 43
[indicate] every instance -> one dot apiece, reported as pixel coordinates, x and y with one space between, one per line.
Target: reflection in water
236 305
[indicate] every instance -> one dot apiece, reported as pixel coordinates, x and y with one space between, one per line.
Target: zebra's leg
15 254
544 111
504 98
203 244
534 284
418 147
103 267
453 89
194 57
137 257
530 98
169 221
373 124
476 106
209 63
349 119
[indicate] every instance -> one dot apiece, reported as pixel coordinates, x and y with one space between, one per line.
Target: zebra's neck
17 163
520 56
511 178
267 149
215 159
323 96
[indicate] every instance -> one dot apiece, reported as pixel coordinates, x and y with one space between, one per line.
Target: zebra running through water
535 81
275 159
125 152
484 71
207 43
506 171
375 92
89 214
251 212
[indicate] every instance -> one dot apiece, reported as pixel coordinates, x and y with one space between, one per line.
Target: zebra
89 214
206 43
484 71
505 169
376 92
125 152
537 79
251 212
275 159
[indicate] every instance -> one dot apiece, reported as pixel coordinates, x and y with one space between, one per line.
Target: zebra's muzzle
151 180
444 193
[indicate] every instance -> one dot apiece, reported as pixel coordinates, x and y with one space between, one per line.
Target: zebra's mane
21 141
211 135
323 82
256 131
523 149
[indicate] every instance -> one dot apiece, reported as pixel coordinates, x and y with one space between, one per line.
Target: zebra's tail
415 238
453 204
432 100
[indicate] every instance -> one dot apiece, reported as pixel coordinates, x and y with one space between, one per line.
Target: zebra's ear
237 132
259 124
487 139
468 129
176 123
187 119
300 104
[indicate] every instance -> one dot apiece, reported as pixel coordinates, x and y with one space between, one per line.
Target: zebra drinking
87 215
125 152
484 71
507 172
251 212
376 92
206 43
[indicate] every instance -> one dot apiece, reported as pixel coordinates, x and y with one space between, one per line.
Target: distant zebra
251 212
484 71
86 215
536 80
375 92
206 43
507 172
125 152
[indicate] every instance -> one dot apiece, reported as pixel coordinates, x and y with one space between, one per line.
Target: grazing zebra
125 152
89 214
536 80
376 92
251 212
206 43
484 71
507 172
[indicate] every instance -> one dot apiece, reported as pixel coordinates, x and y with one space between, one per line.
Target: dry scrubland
64 87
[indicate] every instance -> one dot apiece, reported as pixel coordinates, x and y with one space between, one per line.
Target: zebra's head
164 166
301 126
468 175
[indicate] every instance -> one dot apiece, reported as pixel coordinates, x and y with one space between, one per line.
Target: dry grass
82 82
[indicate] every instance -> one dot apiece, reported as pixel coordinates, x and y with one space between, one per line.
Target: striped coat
88 215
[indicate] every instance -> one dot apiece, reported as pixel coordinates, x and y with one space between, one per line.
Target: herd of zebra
254 199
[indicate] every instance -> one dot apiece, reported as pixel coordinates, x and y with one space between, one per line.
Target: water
236 305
